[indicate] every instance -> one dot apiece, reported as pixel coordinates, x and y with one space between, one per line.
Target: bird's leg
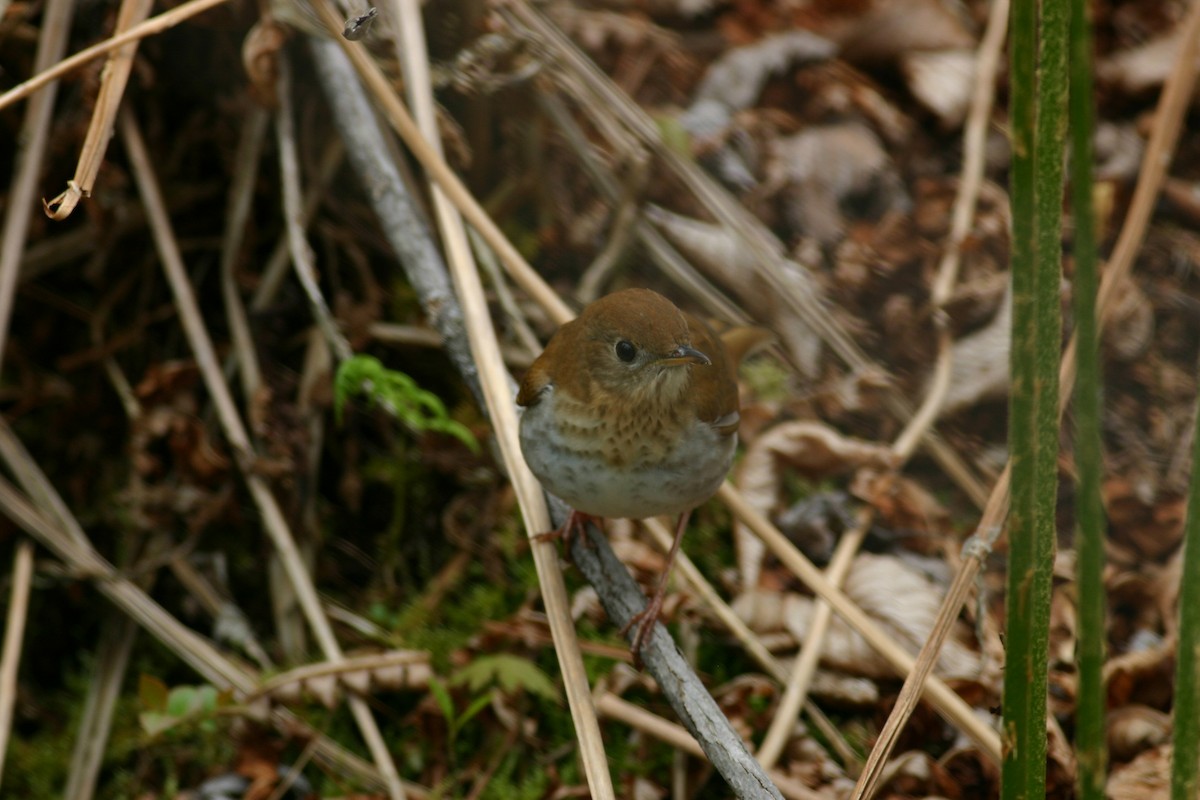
576 525
647 617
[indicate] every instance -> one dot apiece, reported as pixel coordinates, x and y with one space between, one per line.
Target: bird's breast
616 459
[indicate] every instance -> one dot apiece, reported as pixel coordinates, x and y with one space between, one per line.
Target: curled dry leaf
1147 777
942 81
724 256
1129 331
260 53
1144 67
1152 525
979 370
1135 728
845 691
1142 600
733 84
735 80
397 669
1145 675
810 448
903 601
892 29
901 503
822 169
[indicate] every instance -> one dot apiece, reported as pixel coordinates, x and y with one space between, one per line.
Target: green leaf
154 723
510 673
182 701
674 135
418 409
207 700
477 705
442 697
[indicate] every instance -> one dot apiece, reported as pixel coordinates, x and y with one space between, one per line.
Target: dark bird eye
626 351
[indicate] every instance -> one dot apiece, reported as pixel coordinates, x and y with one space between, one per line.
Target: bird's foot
576 525
644 621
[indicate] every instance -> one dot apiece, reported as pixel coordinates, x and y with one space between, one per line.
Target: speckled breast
626 463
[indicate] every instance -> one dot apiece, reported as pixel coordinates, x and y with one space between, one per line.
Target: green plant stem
1185 767
1090 704
1038 127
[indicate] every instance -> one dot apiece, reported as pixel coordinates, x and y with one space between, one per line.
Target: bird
631 411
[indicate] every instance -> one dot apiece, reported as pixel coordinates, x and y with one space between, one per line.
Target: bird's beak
686 354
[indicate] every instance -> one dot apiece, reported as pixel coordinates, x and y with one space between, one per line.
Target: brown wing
715 386
538 376
536 379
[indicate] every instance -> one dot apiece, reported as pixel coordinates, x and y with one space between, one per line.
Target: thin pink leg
647 617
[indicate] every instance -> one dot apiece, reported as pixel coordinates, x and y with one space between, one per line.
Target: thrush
631 411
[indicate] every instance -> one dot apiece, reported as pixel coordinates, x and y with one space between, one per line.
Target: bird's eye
626 351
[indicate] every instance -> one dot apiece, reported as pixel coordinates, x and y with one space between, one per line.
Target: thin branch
943 698
293 214
52 43
241 193
235 432
47 74
496 386
65 538
1169 118
621 595
14 637
797 684
108 100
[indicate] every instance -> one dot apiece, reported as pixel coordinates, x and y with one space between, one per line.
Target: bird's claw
575 526
644 620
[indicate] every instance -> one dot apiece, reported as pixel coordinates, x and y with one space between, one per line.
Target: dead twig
112 88
52 43
1172 106
45 75
14 637
273 519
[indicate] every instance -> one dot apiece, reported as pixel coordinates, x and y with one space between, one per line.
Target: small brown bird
632 411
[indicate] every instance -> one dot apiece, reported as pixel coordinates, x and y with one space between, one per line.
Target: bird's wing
715 389
534 384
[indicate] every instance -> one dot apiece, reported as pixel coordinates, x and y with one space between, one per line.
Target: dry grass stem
47 74
293 212
963 215
273 519
798 682
35 128
115 644
1172 106
104 115
949 704
241 193
14 637
497 391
